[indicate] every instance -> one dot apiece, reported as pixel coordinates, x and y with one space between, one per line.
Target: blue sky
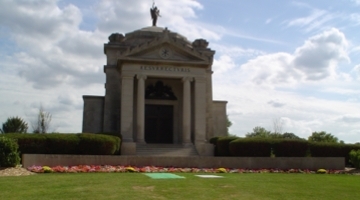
297 62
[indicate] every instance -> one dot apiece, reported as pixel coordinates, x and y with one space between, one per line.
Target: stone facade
158 90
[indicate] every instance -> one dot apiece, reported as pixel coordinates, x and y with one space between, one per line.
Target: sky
290 63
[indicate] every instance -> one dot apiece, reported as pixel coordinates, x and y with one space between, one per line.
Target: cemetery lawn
139 186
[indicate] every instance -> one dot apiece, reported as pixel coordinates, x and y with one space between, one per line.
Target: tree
322 137
14 125
228 124
259 132
278 125
290 136
42 123
263 133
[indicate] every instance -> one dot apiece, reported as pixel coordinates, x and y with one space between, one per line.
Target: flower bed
153 169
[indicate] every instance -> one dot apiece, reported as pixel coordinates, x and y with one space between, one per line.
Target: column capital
187 78
141 76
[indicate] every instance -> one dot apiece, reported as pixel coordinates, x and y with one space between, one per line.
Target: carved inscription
164 68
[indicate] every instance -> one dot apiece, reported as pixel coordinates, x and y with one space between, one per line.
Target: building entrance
159 123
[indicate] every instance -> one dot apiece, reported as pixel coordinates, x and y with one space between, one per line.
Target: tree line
18 125
321 136
261 132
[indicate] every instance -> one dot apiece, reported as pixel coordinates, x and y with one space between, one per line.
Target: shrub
290 148
118 152
325 149
355 158
345 151
86 144
9 155
222 145
30 143
213 140
62 143
97 144
251 147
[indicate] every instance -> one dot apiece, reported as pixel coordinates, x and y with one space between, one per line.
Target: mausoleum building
158 90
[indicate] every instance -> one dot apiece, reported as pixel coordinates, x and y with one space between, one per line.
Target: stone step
165 150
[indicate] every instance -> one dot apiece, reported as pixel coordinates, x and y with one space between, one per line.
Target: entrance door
159 123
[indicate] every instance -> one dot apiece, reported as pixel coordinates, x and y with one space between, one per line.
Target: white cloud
316 60
350 119
357 2
356 71
55 51
111 17
319 56
224 64
355 17
281 85
304 21
276 103
235 51
251 106
316 20
342 90
272 69
52 48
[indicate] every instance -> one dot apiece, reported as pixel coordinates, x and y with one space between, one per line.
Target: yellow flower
47 169
321 171
221 170
130 169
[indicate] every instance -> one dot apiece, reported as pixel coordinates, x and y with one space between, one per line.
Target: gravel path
15 171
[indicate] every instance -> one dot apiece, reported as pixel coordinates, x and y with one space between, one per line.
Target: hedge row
222 145
332 150
80 144
290 148
259 147
250 147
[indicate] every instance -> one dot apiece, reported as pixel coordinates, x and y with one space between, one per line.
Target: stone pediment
167 48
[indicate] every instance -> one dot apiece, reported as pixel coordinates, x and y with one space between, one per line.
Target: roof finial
155 13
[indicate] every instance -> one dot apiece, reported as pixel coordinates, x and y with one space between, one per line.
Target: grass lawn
139 186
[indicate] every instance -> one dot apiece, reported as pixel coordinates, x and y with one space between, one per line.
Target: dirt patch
15 171
142 188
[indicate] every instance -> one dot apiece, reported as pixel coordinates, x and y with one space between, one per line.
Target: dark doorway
159 123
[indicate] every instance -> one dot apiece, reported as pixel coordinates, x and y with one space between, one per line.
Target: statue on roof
155 13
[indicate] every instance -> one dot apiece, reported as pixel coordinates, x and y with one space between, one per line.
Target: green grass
138 186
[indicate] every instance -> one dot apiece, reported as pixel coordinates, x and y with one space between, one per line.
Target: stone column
140 122
200 109
209 109
127 93
186 110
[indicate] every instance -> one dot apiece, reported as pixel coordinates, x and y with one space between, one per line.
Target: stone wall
93 114
219 118
335 163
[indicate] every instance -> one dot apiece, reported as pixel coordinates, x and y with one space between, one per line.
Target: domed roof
149 33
